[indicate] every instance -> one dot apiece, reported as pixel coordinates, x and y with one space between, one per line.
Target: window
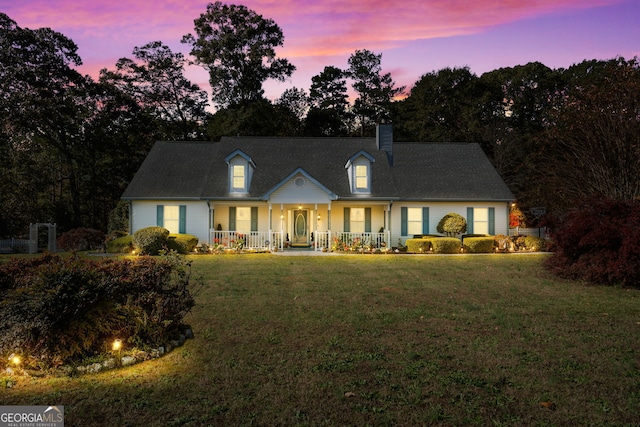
362 177
481 221
356 219
359 172
173 218
238 178
414 221
243 219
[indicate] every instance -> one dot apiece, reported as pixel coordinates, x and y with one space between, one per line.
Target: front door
300 227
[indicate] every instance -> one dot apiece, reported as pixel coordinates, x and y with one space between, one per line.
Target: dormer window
240 172
238 177
362 177
359 172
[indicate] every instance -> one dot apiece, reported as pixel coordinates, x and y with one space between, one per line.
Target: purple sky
414 36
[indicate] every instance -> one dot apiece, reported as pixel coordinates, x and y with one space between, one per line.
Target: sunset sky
414 36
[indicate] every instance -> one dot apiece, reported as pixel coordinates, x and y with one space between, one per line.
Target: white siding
308 192
144 214
437 210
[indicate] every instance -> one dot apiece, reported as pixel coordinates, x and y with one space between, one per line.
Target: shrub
534 243
479 245
452 224
120 245
58 310
598 242
445 245
81 239
150 240
182 243
418 245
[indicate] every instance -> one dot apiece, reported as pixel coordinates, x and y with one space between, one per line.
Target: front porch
319 240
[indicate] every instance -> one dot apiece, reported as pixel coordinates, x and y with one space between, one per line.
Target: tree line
70 144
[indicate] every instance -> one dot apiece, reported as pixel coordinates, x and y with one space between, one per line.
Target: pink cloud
317 32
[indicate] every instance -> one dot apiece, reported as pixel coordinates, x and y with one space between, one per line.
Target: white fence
538 232
345 240
252 240
322 240
9 246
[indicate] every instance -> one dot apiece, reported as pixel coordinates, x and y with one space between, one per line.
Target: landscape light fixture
117 345
15 359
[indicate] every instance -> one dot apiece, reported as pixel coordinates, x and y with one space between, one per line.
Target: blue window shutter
347 220
367 220
254 218
469 220
232 218
425 220
404 221
182 220
492 221
160 216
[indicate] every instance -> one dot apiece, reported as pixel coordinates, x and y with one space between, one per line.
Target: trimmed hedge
150 240
182 243
445 245
418 245
479 245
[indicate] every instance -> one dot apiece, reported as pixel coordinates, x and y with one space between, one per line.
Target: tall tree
375 90
328 115
157 82
442 106
237 46
593 145
41 100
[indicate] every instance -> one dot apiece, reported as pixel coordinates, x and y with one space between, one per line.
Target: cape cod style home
279 192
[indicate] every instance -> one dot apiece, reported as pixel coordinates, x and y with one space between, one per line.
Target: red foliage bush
81 239
598 242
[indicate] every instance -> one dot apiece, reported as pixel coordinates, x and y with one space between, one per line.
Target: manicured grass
377 340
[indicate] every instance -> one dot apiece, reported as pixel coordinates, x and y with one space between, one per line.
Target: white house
279 192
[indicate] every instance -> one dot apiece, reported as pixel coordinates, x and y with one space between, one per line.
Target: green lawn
377 340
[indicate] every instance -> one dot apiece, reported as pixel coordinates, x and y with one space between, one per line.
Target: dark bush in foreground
598 242
150 240
56 310
81 239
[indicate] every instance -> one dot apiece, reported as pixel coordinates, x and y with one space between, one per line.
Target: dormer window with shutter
240 172
359 172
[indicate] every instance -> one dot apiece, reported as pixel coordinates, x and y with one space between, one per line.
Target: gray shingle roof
435 171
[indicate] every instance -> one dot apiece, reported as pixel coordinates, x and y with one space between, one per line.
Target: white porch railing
251 240
322 240
339 240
